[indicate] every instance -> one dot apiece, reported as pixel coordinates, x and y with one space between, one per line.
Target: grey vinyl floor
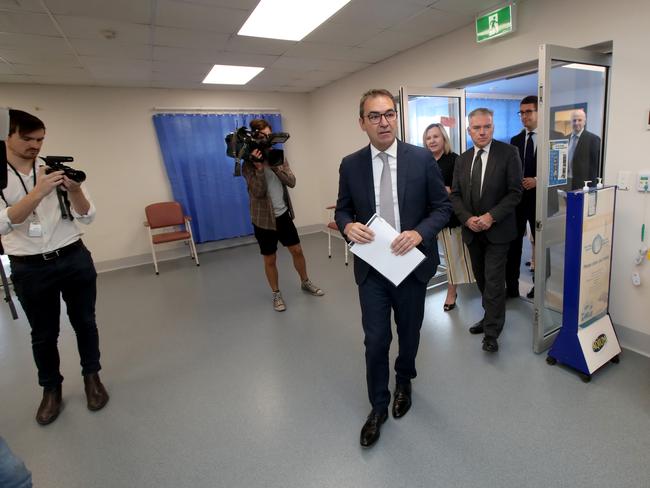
212 388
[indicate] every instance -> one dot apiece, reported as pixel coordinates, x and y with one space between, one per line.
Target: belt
47 256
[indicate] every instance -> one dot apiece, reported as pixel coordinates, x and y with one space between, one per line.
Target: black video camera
242 142
55 163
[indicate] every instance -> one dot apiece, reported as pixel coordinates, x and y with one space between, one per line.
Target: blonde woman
459 267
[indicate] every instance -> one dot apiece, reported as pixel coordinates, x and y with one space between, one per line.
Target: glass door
420 107
572 122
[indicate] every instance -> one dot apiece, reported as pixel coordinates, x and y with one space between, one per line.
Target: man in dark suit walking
401 183
485 191
526 143
584 152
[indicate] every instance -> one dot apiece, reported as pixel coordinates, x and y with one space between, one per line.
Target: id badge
35 229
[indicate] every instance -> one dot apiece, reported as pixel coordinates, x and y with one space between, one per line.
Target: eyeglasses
526 112
375 117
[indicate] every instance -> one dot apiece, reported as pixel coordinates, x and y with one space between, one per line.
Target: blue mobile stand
587 339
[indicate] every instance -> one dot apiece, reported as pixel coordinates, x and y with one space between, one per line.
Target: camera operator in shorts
272 216
49 260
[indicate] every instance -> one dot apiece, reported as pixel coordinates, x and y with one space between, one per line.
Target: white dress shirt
55 231
377 167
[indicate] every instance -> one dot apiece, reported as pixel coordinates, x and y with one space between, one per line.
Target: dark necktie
529 155
477 169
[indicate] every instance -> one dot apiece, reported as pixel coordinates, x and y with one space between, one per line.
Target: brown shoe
50 406
96 394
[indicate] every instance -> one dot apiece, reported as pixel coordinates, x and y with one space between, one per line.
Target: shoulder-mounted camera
242 142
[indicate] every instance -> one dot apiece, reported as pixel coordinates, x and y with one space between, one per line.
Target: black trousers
489 265
39 286
525 213
378 296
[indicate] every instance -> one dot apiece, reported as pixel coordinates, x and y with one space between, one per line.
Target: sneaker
278 302
309 287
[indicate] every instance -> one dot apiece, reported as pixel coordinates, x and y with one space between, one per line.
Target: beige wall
111 135
456 56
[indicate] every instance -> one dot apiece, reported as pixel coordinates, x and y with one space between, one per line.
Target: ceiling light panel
222 74
289 20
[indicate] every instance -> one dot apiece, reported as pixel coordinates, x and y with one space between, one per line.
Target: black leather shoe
477 328
50 406
531 293
402 400
370 430
490 344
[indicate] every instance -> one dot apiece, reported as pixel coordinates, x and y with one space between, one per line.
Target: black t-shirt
446 163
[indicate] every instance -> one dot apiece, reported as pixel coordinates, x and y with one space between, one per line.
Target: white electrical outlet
624 178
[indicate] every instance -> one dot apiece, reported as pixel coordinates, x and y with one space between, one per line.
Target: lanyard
20 178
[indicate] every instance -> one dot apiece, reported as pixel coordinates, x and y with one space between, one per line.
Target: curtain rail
215 109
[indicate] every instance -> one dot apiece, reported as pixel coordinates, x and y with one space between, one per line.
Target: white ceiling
174 43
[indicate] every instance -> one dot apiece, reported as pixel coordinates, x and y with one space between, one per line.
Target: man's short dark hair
529 99
259 124
375 92
23 123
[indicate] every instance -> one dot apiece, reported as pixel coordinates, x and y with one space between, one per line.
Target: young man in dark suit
526 143
485 191
401 183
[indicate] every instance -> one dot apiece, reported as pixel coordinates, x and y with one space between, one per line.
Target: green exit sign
495 23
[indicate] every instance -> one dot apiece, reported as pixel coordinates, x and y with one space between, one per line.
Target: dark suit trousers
377 296
525 213
489 265
39 287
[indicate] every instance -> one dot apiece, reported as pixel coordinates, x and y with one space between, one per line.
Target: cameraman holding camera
272 215
48 260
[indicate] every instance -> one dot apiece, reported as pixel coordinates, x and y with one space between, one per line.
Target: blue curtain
506 121
200 173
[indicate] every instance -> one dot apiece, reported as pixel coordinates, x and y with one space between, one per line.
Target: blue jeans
13 473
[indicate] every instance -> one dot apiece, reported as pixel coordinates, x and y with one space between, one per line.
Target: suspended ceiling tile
307 64
396 41
189 39
380 14
50 70
210 56
21 5
240 4
246 44
30 41
38 57
162 68
111 49
27 23
85 28
432 23
203 17
341 34
135 11
466 7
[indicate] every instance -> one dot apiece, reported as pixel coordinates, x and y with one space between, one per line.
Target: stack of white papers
379 255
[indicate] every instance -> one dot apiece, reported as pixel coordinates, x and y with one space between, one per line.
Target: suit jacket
423 202
586 160
500 195
528 196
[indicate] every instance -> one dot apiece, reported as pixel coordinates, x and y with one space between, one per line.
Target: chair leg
153 252
193 252
329 243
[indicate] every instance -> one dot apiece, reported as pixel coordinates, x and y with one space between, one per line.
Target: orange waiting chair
168 214
331 226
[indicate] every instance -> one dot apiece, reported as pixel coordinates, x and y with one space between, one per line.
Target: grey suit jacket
500 194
